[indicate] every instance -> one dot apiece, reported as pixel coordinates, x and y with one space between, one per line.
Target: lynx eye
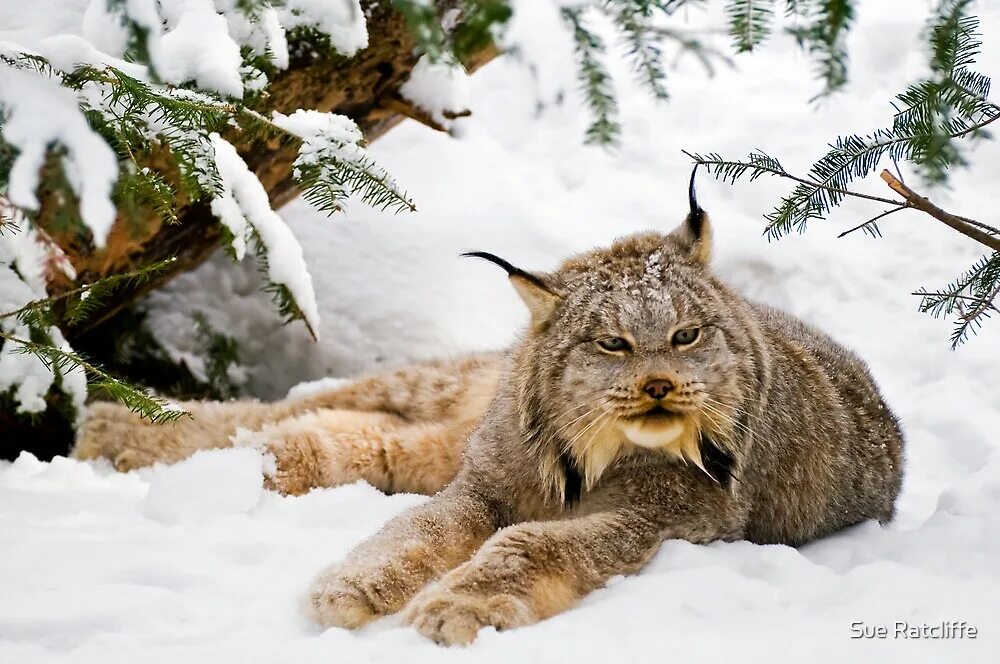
686 337
614 344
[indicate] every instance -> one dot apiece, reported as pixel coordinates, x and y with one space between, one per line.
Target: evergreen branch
688 44
956 296
221 353
155 409
870 226
643 48
595 81
849 158
733 170
915 200
825 38
749 22
992 230
425 27
281 295
978 288
89 295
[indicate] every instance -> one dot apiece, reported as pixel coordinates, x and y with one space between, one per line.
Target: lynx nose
658 388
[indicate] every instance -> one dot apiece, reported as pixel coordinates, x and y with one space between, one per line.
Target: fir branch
595 81
705 54
153 408
870 227
86 299
824 37
758 163
749 22
952 102
479 21
850 158
281 295
643 46
972 297
221 353
425 28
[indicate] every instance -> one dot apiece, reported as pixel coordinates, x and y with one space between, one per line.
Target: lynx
645 401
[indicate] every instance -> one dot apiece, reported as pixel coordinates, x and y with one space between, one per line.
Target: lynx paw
454 618
300 461
352 598
339 604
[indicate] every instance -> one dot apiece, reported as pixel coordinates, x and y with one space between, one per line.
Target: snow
342 21
36 113
439 88
199 49
314 387
242 205
209 484
24 258
329 138
92 571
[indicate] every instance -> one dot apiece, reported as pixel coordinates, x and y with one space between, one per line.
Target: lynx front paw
350 597
340 604
454 618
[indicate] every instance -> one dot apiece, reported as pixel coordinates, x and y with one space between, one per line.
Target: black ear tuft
512 270
696 216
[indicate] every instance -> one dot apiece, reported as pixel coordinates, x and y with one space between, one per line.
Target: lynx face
634 346
646 358
652 359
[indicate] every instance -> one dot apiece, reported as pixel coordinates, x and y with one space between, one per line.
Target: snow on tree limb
332 164
439 88
23 260
244 206
38 113
342 21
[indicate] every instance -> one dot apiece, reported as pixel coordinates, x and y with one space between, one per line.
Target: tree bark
364 88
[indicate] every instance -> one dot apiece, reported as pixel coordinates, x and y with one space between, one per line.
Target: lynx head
634 346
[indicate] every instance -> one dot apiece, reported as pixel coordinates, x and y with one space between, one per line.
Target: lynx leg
529 572
535 570
448 389
332 447
455 391
380 575
112 431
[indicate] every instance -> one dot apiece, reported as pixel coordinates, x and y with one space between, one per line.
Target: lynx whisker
563 428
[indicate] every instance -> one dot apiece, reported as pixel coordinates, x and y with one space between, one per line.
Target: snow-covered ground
197 563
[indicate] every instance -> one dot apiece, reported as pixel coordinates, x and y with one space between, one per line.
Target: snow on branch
156 77
243 207
37 113
333 164
23 260
440 89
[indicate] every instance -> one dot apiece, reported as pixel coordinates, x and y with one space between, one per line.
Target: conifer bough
364 87
936 120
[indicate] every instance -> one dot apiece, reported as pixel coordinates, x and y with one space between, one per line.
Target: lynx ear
535 293
694 236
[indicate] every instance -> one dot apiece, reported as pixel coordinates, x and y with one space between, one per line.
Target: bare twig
872 220
992 230
921 203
